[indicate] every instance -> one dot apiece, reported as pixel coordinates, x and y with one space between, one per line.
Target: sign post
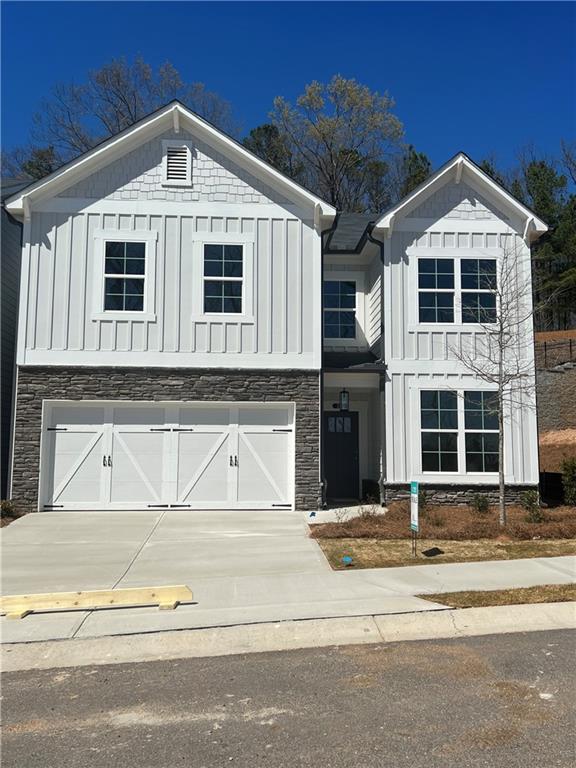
414 514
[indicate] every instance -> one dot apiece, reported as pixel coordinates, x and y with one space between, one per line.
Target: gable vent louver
177 159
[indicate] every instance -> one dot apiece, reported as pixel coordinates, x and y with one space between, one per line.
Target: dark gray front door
341 467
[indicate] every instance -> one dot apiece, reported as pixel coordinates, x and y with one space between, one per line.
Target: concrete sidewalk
255 569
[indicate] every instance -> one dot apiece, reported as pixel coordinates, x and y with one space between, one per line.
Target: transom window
453 290
478 306
223 278
436 290
445 447
439 424
339 309
124 276
481 429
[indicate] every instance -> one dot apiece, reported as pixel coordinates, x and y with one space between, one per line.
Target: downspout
323 233
381 480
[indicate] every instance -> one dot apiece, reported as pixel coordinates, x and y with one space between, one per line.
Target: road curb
288 635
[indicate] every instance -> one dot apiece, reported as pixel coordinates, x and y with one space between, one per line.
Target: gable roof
453 170
9 187
349 233
176 114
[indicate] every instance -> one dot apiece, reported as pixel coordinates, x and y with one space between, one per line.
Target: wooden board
18 606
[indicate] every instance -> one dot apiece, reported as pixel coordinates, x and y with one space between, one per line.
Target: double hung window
481 431
436 290
339 309
223 278
459 431
457 290
124 276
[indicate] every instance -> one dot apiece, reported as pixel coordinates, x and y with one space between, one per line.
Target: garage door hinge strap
176 429
288 506
281 430
56 429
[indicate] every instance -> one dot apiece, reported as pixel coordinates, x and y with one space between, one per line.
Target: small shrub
480 504
569 481
402 507
422 501
436 519
530 501
6 508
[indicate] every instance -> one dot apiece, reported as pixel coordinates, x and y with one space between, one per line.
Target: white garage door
196 456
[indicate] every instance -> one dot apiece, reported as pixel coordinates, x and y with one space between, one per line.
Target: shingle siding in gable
138 176
456 201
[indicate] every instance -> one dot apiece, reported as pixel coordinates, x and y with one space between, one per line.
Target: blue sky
487 78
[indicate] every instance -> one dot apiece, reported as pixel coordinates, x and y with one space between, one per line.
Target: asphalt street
506 700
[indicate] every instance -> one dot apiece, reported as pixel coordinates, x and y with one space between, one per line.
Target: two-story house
198 331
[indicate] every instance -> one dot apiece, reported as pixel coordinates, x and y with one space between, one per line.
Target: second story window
436 290
124 276
223 278
339 309
478 283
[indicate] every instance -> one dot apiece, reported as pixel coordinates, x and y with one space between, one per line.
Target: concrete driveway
243 568
68 551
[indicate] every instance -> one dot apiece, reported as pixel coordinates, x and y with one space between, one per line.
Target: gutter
381 361
325 233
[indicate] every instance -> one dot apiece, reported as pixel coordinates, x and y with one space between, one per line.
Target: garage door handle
231 461
235 461
106 464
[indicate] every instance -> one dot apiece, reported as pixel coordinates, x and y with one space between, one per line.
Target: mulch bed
454 523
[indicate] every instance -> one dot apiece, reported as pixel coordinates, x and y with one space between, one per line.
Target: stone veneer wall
36 384
456 494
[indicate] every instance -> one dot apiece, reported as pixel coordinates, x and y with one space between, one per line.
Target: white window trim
474 478
150 239
200 239
456 255
359 279
166 182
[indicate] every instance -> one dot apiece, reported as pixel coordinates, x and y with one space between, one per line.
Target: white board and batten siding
454 222
62 322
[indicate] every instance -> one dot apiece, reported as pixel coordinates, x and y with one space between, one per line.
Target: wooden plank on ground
18 606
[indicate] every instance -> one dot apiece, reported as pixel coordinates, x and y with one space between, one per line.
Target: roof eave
90 160
386 222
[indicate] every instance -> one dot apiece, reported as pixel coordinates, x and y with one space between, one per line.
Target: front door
341 466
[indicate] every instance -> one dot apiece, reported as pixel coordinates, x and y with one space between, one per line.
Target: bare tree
569 158
502 353
78 116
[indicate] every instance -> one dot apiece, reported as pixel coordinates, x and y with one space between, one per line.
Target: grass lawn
388 553
547 593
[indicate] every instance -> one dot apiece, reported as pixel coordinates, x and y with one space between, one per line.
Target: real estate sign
414 506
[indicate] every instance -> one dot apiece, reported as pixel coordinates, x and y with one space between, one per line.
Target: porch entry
341 455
